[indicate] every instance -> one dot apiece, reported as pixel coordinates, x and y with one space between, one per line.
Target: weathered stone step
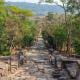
62 78
71 67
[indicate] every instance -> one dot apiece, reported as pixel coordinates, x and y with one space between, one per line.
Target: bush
76 44
6 53
57 38
60 34
27 41
50 39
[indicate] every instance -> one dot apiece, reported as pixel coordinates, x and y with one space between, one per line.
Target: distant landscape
38 9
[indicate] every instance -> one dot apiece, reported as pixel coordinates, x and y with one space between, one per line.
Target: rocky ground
36 67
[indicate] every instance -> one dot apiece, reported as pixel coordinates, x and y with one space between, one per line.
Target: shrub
76 44
27 41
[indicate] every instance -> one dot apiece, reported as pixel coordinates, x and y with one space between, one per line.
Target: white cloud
31 1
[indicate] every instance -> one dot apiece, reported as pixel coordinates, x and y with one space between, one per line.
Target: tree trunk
10 61
69 43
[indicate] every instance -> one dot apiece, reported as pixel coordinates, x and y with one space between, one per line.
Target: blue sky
32 1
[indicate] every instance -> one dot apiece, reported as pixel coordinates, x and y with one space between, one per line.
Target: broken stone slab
72 70
64 75
71 66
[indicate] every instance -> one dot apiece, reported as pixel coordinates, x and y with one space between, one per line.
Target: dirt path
37 66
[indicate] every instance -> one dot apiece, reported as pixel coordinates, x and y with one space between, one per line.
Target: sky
31 1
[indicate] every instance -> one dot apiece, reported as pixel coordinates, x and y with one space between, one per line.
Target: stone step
56 74
62 78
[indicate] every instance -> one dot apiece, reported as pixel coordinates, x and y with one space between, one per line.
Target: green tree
29 30
60 34
20 12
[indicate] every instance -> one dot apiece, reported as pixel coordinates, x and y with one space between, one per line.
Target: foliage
74 6
29 29
75 34
68 32
60 34
77 45
49 40
50 16
15 28
27 41
19 11
50 1
1 2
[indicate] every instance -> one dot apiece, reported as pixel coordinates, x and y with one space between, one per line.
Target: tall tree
74 6
64 5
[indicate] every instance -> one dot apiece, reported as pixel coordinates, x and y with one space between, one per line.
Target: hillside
39 9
